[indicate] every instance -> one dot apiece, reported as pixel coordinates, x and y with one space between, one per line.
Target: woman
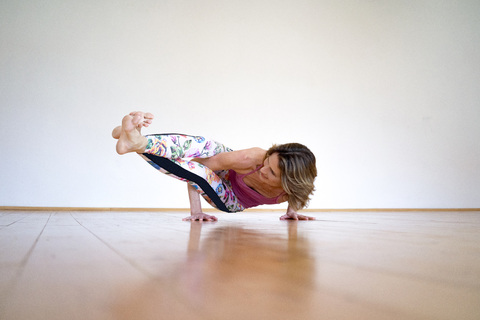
229 180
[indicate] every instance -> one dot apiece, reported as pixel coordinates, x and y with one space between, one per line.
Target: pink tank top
246 195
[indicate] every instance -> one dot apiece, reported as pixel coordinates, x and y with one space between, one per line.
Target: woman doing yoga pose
228 180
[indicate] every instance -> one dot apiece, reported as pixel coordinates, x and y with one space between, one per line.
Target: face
270 172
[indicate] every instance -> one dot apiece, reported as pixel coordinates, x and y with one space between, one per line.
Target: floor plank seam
10 287
128 260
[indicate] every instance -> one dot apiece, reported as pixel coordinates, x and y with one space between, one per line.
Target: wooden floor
150 265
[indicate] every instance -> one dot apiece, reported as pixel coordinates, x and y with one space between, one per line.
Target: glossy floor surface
151 265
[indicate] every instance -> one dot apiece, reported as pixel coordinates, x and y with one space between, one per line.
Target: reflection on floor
146 265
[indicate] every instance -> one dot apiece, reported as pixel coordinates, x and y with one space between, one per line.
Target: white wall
386 93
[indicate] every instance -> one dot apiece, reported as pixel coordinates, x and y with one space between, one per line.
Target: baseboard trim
20 208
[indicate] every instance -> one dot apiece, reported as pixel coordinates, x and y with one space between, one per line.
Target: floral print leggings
171 154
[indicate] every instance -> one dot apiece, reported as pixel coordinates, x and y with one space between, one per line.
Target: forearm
290 210
194 197
196 207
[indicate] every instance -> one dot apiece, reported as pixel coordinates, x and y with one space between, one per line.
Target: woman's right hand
196 207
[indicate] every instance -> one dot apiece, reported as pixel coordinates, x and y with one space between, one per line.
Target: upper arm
283 198
241 160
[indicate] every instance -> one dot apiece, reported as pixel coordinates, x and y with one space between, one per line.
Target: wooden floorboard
152 265
22 208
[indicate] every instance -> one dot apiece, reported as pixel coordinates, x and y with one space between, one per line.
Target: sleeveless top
246 195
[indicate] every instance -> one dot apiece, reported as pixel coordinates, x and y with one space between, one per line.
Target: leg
215 189
165 153
177 146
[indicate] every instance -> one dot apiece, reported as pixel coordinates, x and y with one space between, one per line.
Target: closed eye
271 170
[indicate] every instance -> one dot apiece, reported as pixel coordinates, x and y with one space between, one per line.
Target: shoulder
247 159
254 155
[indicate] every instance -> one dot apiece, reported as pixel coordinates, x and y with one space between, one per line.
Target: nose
263 171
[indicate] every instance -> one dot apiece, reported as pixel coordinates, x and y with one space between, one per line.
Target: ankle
142 145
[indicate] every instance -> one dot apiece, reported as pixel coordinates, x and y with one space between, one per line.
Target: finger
191 218
302 217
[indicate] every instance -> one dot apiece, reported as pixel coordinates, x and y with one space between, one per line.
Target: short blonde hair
297 172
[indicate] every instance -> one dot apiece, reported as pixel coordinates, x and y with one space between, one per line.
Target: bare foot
147 119
130 139
116 132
